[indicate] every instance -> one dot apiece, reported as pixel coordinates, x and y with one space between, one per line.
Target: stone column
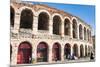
71 50
16 22
35 25
50 26
83 33
71 30
50 55
78 50
62 54
62 29
78 31
14 54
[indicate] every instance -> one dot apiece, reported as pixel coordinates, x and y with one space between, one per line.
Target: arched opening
74 28
56 52
75 50
10 52
80 32
81 51
12 16
43 21
67 27
26 21
84 33
24 55
89 50
67 51
56 25
42 52
85 50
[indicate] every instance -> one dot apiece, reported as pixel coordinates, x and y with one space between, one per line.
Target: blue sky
85 12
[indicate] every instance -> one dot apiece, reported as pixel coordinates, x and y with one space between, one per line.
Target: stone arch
24 55
81 50
12 16
67 50
57 24
84 33
42 52
43 21
74 25
26 20
80 32
67 26
56 52
75 50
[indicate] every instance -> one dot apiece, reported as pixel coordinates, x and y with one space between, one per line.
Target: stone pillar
35 25
71 30
62 29
16 22
78 31
62 54
82 33
50 26
14 54
78 50
71 50
84 49
50 55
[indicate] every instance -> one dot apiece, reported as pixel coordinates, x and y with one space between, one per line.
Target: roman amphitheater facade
45 34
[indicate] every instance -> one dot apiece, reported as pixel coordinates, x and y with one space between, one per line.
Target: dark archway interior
43 21
67 27
12 16
80 32
26 19
24 53
74 29
42 52
85 50
67 50
56 52
75 50
81 51
56 25
84 33
10 52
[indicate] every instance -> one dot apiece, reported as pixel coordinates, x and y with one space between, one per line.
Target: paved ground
59 62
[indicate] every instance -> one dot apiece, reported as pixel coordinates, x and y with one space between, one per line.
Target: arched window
43 21
74 28
84 33
24 55
67 27
12 16
67 50
80 32
56 25
42 52
56 52
26 19
81 51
